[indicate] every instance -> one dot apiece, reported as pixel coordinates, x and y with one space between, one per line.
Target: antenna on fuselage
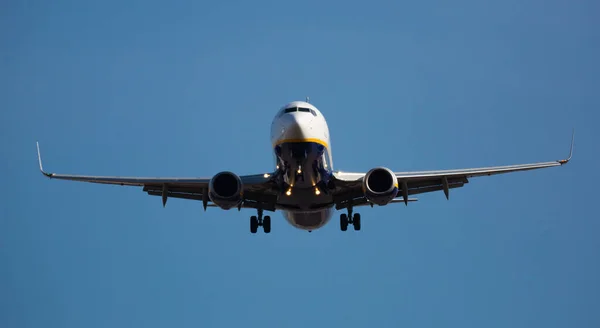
308 99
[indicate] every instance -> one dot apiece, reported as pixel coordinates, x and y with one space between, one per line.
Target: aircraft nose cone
296 125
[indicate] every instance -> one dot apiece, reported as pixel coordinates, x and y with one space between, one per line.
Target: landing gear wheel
356 220
267 224
343 222
253 224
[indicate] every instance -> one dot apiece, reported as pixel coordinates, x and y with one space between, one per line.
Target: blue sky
189 89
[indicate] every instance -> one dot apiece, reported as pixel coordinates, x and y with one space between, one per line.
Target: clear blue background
188 89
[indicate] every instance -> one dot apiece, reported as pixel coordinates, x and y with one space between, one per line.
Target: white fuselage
300 139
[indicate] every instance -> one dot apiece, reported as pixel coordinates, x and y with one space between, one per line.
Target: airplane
304 185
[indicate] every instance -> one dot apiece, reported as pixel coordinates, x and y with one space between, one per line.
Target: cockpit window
299 109
307 110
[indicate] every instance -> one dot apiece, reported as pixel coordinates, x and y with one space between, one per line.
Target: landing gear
267 224
255 222
346 219
343 222
356 221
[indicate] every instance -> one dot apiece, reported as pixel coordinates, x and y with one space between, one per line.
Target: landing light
317 191
267 175
289 192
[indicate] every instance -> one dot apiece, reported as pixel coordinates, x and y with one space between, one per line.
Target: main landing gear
255 222
346 219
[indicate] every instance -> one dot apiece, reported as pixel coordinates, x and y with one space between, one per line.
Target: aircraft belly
307 205
308 220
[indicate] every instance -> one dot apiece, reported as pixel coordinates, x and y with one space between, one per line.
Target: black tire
343 222
267 224
253 224
356 220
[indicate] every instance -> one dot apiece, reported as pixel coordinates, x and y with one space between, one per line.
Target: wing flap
431 188
362 201
175 188
415 183
182 195
130 181
475 172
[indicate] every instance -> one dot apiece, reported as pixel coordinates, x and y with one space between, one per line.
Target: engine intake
225 190
380 185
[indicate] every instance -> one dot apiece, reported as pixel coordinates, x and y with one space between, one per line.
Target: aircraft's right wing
258 188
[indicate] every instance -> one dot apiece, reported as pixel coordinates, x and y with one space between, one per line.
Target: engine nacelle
380 185
225 190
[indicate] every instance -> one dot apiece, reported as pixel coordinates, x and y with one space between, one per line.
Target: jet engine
225 190
380 185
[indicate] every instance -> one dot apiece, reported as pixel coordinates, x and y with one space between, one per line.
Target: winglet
40 161
565 161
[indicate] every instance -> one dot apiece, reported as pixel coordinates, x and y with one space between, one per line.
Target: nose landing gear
256 221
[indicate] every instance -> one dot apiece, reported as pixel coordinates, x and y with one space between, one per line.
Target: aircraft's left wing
411 183
257 188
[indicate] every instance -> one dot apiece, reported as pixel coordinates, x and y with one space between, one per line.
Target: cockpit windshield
299 109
